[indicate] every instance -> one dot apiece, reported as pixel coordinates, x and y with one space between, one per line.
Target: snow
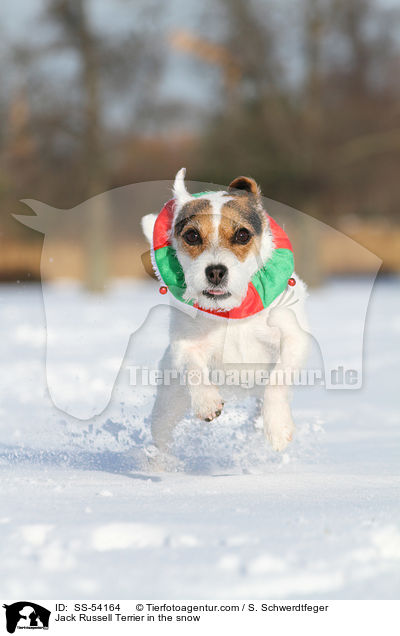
83 514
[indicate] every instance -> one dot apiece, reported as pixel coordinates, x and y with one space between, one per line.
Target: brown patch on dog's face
244 209
241 223
240 227
194 226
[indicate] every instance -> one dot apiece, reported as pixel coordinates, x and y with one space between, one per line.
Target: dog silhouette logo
87 328
26 615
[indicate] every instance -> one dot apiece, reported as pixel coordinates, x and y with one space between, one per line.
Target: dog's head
221 239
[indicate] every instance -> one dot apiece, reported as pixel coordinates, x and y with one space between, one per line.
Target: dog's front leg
277 416
205 397
172 402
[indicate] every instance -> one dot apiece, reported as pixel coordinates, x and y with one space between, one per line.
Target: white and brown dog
221 240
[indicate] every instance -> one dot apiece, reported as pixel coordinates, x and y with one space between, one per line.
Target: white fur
181 195
147 224
199 344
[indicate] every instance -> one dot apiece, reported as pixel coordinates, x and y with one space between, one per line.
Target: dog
221 240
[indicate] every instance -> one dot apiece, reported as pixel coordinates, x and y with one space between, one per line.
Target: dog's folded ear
245 183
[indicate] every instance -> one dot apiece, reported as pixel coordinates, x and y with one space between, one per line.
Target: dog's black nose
216 274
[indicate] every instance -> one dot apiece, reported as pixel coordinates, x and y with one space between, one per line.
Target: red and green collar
266 284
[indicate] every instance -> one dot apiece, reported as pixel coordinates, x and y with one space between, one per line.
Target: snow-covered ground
83 516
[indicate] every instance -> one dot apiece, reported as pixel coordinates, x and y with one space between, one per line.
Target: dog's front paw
280 437
207 404
279 428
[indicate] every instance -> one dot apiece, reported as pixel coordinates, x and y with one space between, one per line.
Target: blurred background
303 96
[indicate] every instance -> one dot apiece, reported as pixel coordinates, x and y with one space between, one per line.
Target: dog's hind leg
278 421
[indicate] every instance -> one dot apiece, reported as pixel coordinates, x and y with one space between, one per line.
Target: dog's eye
192 237
242 236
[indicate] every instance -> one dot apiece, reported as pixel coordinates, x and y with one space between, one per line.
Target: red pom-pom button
291 282
163 290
